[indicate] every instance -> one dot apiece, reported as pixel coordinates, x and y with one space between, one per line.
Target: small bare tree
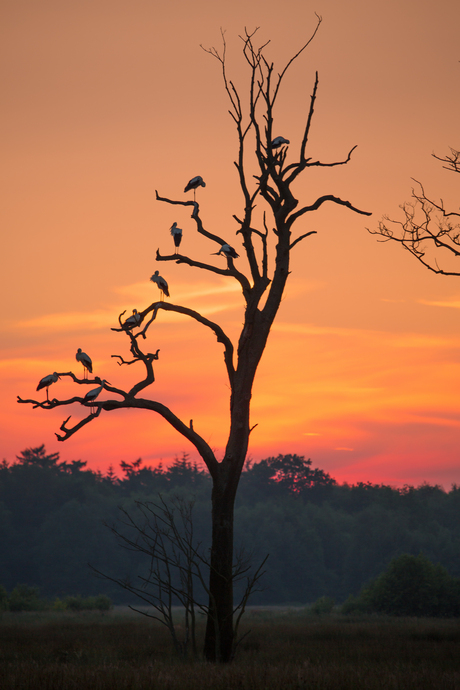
178 568
428 231
262 285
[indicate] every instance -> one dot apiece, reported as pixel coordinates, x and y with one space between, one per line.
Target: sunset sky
105 101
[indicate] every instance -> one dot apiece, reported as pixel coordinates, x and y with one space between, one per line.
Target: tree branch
70 432
280 76
141 403
453 161
196 217
421 229
229 271
320 201
218 331
302 237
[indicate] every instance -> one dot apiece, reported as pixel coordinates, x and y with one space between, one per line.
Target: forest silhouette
323 538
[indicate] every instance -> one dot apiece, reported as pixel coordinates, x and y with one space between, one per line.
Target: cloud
71 321
143 291
453 304
138 292
402 340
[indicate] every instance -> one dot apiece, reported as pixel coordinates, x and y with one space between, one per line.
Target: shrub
58 605
411 586
102 603
322 605
99 603
74 603
355 605
25 598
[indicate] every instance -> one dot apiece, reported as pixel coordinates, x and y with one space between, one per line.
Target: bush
74 603
25 598
322 605
355 605
58 605
102 603
99 603
411 586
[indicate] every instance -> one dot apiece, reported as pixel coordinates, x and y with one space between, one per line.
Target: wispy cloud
138 293
403 340
181 291
453 304
71 321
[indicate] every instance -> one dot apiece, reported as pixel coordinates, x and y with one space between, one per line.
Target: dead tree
177 568
262 285
428 231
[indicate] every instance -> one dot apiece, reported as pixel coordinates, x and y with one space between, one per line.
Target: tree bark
218 645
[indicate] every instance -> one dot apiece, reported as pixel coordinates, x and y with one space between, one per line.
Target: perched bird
194 183
86 362
46 382
162 284
177 235
132 321
94 392
279 141
227 251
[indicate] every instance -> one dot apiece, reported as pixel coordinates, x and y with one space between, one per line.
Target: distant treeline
324 539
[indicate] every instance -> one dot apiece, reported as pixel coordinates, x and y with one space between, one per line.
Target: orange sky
104 102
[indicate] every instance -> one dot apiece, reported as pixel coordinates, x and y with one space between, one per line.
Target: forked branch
68 432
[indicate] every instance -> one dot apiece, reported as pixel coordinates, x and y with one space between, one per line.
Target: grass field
285 649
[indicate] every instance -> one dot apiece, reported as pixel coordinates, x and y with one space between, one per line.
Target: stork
194 183
162 284
86 362
177 235
227 251
93 393
279 141
46 382
132 321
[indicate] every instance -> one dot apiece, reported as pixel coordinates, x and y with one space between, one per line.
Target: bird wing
92 394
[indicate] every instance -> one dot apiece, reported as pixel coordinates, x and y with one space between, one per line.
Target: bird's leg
47 399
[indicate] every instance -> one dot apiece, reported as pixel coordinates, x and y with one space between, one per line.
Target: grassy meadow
286 648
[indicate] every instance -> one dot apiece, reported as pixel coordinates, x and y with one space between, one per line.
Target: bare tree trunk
219 637
218 645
